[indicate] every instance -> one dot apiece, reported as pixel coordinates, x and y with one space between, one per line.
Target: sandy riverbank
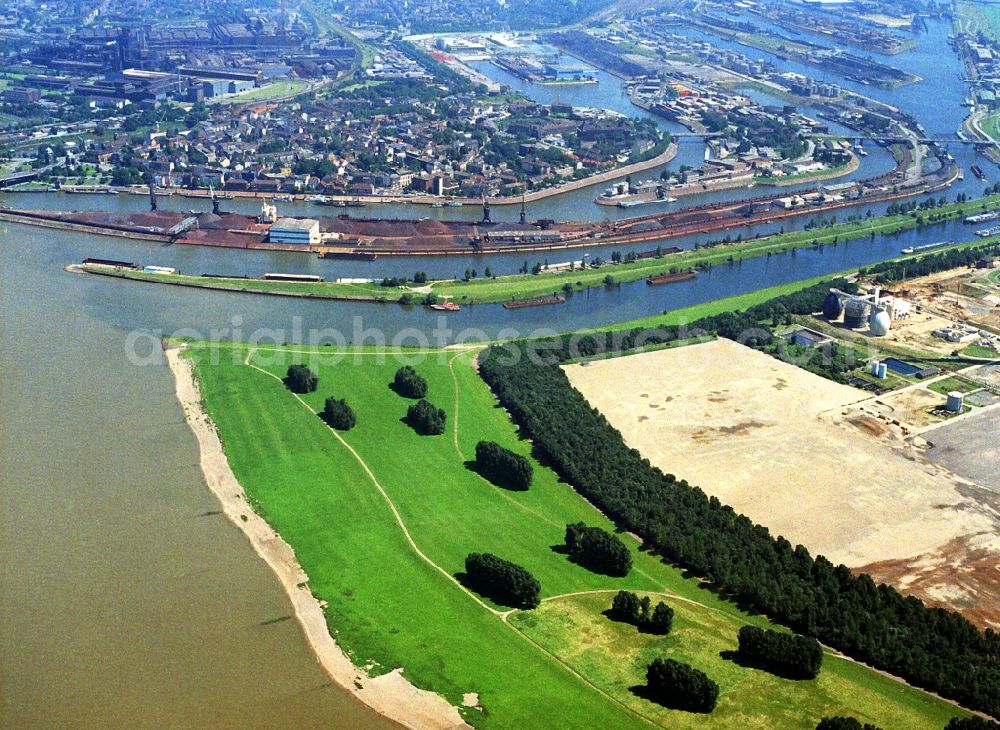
391 695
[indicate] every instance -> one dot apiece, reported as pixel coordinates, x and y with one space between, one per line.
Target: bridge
15 178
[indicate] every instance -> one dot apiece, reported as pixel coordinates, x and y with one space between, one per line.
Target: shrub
407 383
502 466
971 723
625 607
503 581
426 419
682 686
300 379
661 620
840 722
598 549
788 655
338 414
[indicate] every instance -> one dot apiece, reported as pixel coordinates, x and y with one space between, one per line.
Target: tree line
890 271
932 648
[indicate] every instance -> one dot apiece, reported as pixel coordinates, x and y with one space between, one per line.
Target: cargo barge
672 278
536 302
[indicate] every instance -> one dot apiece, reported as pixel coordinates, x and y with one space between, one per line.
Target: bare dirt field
962 295
774 442
913 407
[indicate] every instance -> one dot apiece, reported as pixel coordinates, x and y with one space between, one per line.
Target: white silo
955 402
880 322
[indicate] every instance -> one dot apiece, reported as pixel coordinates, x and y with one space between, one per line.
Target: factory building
304 231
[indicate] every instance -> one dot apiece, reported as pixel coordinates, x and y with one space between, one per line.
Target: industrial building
304 231
807 337
874 309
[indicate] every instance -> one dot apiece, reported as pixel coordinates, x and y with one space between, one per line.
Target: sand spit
391 695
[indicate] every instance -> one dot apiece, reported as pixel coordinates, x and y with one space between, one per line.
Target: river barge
535 302
671 278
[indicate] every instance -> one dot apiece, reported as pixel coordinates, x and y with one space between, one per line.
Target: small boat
355 204
437 205
453 204
862 152
445 307
316 199
978 171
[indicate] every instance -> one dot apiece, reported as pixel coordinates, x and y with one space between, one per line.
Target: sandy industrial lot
767 438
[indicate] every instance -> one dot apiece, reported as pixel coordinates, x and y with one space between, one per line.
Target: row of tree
839 722
598 550
890 271
505 582
629 608
932 648
502 466
787 655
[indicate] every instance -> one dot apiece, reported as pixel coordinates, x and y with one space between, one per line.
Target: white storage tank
955 402
883 370
880 322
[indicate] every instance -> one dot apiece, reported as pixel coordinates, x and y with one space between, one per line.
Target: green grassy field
615 655
977 350
274 90
351 503
953 383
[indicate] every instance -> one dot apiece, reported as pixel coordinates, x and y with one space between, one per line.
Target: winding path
504 616
416 549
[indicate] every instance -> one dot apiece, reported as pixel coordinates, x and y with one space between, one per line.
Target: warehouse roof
296 224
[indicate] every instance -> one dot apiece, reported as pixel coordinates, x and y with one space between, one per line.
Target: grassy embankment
274 90
506 288
393 606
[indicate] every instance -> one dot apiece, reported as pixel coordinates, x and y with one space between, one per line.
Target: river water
124 602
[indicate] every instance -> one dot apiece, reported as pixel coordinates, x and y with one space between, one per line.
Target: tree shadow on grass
748 663
643 691
473 466
398 391
562 549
